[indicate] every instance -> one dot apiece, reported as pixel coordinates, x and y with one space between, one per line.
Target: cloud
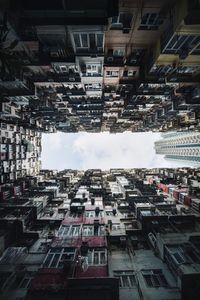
102 150
54 140
123 150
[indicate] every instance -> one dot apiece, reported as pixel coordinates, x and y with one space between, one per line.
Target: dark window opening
150 21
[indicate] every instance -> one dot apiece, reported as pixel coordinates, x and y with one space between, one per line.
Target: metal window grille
154 278
150 21
126 278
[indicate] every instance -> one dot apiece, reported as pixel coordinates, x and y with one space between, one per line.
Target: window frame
154 278
88 230
116 226
79 34
69 230
119 24
96 252
181 41
101 230
125 276
112 73
119 52
146 25
28 278
88 40
60 252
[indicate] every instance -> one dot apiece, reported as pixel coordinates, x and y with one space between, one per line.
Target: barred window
150 21
154 278
97 257
126 278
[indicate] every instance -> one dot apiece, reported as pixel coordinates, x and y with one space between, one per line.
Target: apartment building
20 150
96 66
112 66
182 145
78 240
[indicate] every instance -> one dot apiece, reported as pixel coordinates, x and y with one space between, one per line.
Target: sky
103 150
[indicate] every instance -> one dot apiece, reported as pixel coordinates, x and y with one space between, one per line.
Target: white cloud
102 150
123 150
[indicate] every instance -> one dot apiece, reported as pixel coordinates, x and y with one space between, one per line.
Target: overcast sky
101 150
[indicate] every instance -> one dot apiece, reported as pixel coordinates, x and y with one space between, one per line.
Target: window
150 21
25 282
88 40
126 278
112 73
123 20
90 230
99 40
116 227
97 257
180 42
109 213
63 69
183 254
84 40
93 69
178 258
90 214
69 230
154 278
131 73
57 256
74 230
93 86
77 40
116 22
119 52
81 40
7 108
